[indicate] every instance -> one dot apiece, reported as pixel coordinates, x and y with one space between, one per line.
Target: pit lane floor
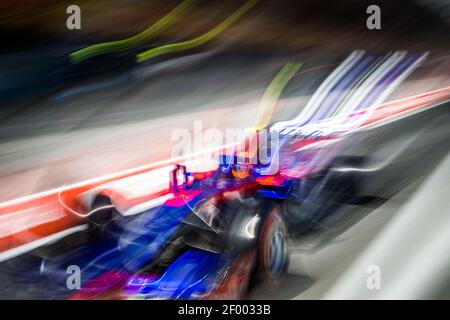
407 237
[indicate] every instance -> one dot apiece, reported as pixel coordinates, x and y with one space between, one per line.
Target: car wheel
102 210
273 254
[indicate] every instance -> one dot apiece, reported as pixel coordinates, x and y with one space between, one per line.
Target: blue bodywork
192 275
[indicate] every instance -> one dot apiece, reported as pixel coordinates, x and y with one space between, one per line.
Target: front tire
103 212
273 254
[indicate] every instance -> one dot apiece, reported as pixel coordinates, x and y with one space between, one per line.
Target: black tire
273 253
100 217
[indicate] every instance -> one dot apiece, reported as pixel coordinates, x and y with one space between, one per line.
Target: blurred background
67 116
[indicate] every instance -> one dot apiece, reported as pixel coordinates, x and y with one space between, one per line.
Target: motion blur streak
370 106
321 92
106 178
378 83
140 38
185 45
270 97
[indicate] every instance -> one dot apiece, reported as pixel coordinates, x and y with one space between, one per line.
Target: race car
225 229
211 240
221 230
